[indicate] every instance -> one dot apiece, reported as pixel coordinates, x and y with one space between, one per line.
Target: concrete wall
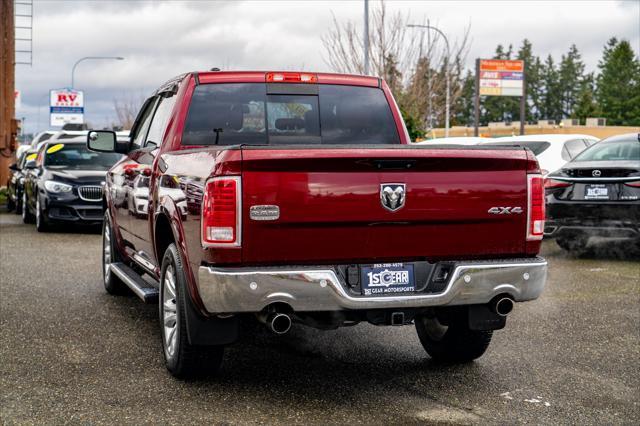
532 129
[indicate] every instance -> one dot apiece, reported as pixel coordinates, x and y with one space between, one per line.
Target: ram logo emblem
392 196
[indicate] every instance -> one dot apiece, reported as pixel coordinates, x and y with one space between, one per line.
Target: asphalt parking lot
70 353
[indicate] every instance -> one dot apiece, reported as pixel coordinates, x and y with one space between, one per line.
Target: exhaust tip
504 306
279 323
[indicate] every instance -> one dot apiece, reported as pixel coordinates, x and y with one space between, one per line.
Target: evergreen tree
618 91
532 78
463 109
570 74
551 99
586 105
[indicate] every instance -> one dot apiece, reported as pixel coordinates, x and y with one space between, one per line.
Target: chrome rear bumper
227 290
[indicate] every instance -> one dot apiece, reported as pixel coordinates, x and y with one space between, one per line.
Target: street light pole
447 75
366 37
73 70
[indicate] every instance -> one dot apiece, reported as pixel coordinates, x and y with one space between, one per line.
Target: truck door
142 185
124 177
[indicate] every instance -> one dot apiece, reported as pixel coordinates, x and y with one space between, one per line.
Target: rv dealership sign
501 77
66 106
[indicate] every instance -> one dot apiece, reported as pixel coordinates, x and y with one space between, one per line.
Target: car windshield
537 147
230 114
77 156
624 150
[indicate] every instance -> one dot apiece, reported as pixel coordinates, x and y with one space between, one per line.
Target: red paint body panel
330 209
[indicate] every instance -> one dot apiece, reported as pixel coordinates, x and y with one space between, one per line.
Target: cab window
160 120
142 123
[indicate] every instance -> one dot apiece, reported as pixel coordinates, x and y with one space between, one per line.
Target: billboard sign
500 77
66 106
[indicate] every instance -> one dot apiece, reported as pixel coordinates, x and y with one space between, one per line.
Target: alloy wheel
169 312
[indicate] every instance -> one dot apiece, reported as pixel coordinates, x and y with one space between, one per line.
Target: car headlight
57 187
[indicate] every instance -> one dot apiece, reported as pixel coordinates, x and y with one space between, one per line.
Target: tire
182 359
454 343
576 244
27 216
18 203
42 223
112 283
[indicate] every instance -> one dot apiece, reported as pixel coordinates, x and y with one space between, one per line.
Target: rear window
537 147
243 113
628 150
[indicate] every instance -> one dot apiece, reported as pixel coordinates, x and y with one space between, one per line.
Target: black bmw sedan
596 194
64 184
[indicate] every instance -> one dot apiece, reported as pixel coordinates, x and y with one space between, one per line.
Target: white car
460 140
552 151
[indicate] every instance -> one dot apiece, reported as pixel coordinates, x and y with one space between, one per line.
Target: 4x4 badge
392 196
505 210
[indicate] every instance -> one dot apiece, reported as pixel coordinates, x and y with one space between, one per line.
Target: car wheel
42 223
183 360
112 283
454 343
18 209
27 216
575 244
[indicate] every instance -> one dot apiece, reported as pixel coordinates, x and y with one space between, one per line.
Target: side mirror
14 167
30 165
106 141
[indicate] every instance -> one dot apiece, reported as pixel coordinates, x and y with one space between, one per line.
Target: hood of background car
77 176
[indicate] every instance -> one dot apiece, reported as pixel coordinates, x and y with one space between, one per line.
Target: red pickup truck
297 197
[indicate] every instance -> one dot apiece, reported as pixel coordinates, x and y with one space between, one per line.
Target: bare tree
414 68
127 109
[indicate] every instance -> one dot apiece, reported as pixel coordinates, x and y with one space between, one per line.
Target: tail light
291 77
221 212
535 211
633 184
555 184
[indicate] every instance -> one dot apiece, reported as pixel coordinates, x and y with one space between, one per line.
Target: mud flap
482 318
213 331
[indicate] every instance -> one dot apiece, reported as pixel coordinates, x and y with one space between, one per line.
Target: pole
8 124
73 70
366 37
476 101
447 73
523 100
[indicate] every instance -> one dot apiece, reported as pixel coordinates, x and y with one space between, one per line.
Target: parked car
15 182
41 137
458 140
596 194
294 197
552 151
64 184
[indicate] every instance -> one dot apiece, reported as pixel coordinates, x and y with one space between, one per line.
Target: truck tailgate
331 208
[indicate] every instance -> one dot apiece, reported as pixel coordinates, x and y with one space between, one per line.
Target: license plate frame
596 191
385 279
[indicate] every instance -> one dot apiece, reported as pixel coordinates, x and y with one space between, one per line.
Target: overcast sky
160 39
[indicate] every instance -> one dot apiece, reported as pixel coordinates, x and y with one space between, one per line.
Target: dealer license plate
596 192
387 278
